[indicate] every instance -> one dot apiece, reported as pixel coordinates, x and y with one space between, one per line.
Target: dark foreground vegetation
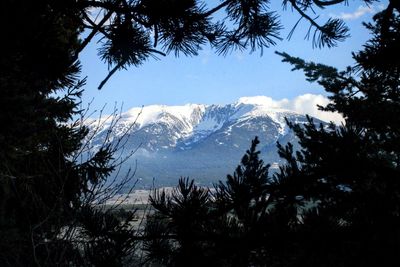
335 203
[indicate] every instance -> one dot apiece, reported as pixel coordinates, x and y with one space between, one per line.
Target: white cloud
303 104
308 104
358 13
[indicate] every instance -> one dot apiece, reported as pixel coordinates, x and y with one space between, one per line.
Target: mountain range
204 142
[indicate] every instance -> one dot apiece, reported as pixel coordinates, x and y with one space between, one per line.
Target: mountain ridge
201 141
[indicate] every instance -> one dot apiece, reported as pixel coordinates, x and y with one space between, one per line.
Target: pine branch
304 15
94 25
328 3
93 33
215 9
111 73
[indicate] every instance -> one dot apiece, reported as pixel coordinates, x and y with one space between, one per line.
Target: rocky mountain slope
204 142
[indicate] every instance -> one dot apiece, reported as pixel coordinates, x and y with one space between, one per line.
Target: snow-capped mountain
204 142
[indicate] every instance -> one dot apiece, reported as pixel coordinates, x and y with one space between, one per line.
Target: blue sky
212 79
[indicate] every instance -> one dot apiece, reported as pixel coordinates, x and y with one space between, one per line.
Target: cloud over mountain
206 142
303 104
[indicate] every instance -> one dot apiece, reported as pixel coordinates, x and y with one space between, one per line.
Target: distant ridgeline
204 142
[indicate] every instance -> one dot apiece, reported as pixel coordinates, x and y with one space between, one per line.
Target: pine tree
176 233
41 183
229 227
134 31
336 201
244 201
38 181
351 171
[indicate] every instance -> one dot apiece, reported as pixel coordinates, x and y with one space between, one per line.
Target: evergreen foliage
336 201
176 231
39 184
132 31
352 170
47 196
224 227
43 185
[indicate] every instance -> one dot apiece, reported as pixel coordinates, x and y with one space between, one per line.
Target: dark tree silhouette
39 184
175 234
334 203
132 31
351 172
43 186
225 227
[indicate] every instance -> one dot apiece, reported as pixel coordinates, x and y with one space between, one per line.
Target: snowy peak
200 141
257 100
205 117
161 127
191 123
147 115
